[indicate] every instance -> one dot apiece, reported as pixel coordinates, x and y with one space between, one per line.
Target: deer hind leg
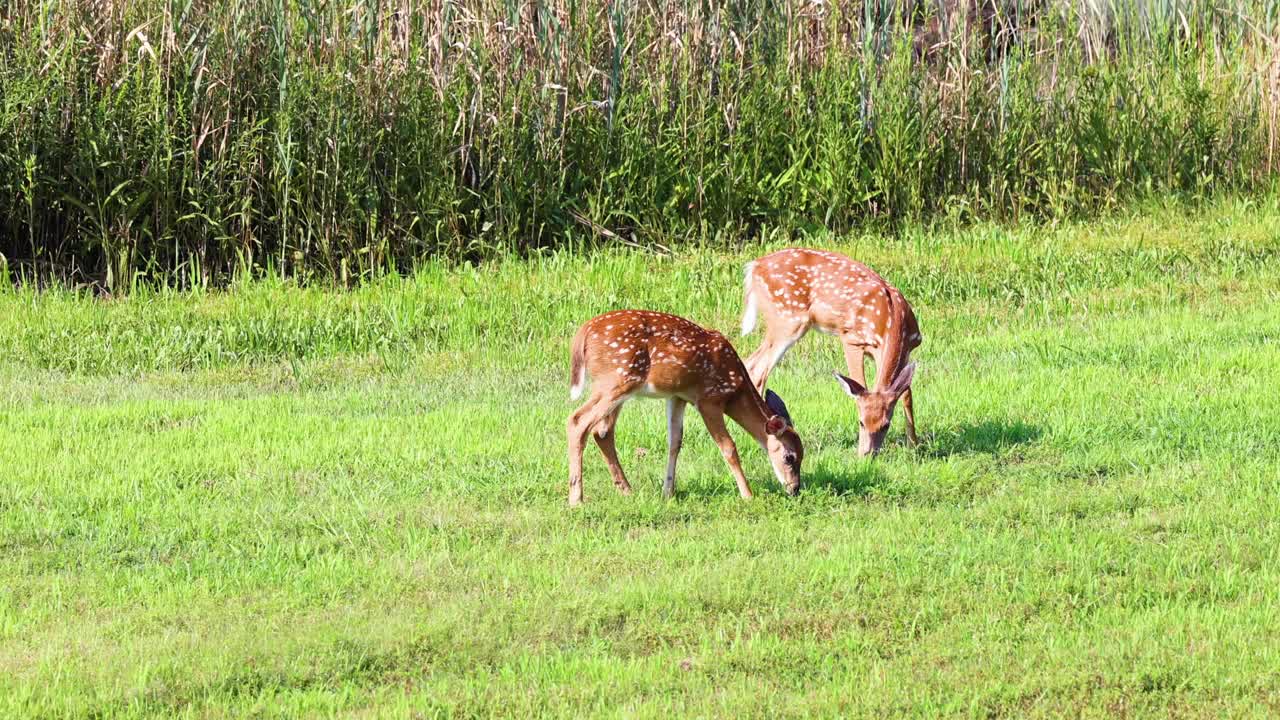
597 408
604 437
713 417
576 432
778 339
675 437
911 418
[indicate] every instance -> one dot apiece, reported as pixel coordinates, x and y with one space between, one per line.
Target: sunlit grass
281 501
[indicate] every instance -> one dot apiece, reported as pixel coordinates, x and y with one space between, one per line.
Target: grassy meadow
282 501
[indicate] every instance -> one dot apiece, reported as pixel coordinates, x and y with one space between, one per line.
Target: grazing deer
630 353
798 289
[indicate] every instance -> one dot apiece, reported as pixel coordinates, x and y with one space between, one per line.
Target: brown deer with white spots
637 353
798 289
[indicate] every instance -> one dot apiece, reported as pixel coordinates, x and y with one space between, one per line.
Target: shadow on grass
854 481
989 436
838 482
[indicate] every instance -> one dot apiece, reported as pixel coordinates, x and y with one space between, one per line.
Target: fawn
798 289
630 353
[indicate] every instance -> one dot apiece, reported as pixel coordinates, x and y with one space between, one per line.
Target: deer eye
789 458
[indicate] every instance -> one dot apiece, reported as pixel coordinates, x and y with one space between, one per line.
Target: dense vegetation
184 140
281 501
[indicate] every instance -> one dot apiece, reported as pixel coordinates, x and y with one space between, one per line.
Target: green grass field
281 501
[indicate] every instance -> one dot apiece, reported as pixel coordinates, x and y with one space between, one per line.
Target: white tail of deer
798 289
637 353
751 309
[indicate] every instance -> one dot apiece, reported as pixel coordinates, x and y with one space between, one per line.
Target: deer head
875 407
783 445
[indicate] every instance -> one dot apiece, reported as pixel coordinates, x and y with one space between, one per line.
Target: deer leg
675 437
777 341
713 417
753 365
754 361
580 423
575 431
911 418
604 437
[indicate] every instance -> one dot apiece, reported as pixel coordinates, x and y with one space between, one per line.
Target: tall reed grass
185 141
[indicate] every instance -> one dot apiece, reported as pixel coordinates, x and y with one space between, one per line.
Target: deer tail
750 312
578 365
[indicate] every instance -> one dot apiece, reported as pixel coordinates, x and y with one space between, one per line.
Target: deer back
661 355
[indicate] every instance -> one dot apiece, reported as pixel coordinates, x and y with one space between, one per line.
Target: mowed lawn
281 502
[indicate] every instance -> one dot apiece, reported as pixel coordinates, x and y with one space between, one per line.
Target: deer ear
902 382
775 425
850 386
776 406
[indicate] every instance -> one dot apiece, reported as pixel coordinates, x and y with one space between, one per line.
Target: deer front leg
911 418
713 417
675 437
604 437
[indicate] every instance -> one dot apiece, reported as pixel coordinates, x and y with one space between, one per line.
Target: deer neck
891 362
747 409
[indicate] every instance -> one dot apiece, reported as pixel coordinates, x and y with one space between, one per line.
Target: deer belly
828 326
828 319
648 390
